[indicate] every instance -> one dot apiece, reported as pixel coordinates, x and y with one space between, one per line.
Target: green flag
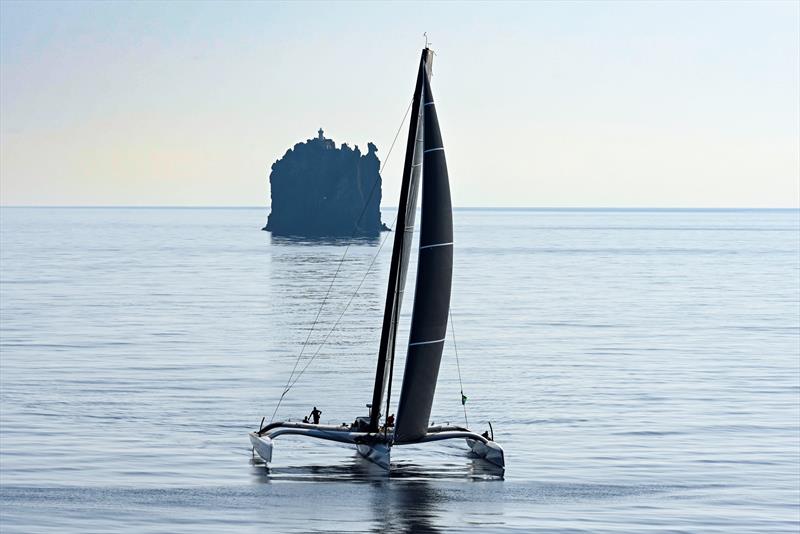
463 399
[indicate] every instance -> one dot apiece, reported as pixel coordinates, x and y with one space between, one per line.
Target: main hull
379 454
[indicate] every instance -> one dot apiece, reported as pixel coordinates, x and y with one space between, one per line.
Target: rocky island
319 190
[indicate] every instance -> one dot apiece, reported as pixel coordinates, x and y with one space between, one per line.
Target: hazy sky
541 104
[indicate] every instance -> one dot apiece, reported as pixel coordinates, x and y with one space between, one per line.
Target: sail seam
436 245
426 342
433 150
429 103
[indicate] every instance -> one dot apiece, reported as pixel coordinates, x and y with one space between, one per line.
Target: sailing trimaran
424 166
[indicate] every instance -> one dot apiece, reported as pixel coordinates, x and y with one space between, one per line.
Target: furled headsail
434 279
401 251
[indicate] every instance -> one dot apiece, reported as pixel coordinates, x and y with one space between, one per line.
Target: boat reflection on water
362 470
406 506
358 470
408 498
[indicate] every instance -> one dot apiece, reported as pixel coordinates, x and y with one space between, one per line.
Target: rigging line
341 261
397 133
458 366
375 257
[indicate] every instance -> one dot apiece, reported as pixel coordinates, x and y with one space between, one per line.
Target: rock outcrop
319 190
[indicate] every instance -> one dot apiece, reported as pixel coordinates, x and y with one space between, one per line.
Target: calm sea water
641 369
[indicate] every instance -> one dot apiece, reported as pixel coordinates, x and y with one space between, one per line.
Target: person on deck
390 421
314 415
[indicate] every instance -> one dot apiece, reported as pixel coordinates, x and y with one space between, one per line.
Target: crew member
314 415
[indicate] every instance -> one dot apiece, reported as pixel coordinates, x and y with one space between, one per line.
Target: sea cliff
319 190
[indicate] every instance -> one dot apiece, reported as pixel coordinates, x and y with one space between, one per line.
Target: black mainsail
404 232
424 150
434 279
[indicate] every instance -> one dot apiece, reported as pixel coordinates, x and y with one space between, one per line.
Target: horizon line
508 208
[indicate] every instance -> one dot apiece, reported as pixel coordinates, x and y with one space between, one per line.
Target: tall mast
404 230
